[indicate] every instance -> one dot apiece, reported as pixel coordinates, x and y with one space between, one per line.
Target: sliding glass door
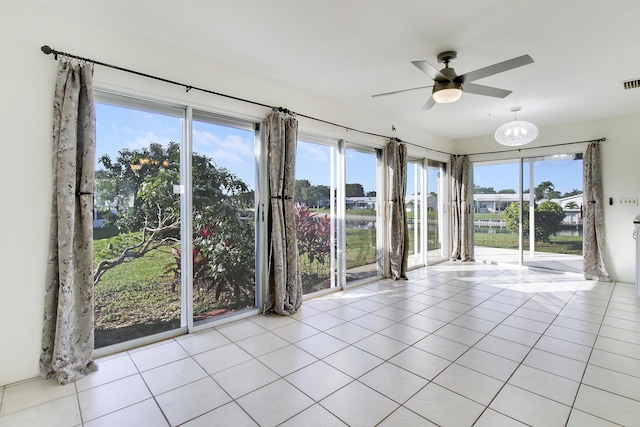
550 232
495 200
223 252
137 236
175 219
363 245
553 230
315 197
415 211
436 173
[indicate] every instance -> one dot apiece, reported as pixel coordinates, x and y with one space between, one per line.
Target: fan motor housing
446 84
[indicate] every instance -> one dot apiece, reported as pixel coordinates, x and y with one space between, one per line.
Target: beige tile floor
456 345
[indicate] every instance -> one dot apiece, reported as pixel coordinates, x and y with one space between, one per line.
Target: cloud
231 150
144 139
315 152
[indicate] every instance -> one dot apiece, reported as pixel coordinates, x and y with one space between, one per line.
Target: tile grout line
576 291
586 366
589 358
525 356
429 381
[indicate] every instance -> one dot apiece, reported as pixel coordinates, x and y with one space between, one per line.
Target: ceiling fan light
516 133
445 96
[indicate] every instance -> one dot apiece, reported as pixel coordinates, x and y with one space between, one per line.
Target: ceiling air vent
632 84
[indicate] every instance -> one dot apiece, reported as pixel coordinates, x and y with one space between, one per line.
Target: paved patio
560 262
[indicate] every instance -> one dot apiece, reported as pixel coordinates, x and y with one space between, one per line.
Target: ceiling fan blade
399 91
430 103
429 70
495 69
485 90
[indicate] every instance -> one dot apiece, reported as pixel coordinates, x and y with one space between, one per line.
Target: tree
573 192
512 217
141 184
546 191
314 194
301 185
483 190
372 194
354 190
507 191
548 219
571 205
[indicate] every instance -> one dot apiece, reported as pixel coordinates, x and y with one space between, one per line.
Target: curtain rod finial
46 49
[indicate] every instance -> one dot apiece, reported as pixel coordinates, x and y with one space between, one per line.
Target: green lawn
361 246
558 244
136 292
140 292
488 216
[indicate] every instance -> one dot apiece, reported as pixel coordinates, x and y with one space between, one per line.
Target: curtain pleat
460 209
67 339
398 227
593 222
284 293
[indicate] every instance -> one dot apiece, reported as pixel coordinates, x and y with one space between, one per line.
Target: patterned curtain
284 294
398 228
592 223
67 339
460 209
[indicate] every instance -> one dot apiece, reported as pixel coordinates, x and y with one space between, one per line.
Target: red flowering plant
314 246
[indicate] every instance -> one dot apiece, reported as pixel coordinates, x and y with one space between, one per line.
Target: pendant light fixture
516 132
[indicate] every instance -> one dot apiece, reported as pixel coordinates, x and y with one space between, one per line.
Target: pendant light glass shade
516 133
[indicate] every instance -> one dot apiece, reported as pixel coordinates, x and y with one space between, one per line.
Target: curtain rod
47 50
539 146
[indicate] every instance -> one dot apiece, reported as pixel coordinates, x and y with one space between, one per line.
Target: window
316 214
435 210
415 211
162 192
551 221
361 214
223 180
138 290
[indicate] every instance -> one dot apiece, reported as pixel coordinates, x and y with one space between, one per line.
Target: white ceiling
348 50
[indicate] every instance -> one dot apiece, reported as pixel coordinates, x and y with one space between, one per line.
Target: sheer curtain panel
460 209
284 293
398 227
67 339
592 223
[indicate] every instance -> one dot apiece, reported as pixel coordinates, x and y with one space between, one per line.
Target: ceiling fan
448 86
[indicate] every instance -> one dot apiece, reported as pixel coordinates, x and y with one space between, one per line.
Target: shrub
548 219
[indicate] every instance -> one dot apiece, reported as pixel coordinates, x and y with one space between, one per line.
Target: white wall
28 78
620 163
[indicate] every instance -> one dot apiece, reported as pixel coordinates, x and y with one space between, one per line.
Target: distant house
497 203
410 202
361 202
493 203
572 206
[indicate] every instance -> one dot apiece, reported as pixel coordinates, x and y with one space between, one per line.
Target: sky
564 173
232 148
118 128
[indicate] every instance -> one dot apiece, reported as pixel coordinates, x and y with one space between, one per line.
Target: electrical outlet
612 255
628 201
